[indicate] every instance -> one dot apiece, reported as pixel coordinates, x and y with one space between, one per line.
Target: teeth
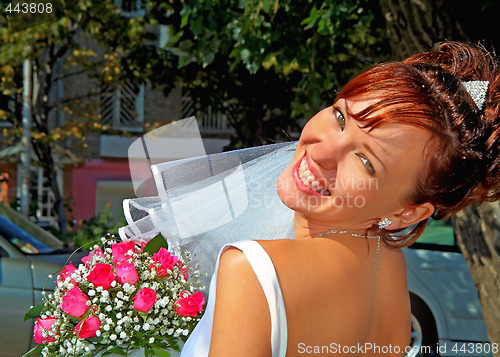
310 180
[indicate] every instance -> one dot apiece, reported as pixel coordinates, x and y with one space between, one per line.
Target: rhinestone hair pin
477 90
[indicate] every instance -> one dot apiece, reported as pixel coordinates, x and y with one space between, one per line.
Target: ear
412 215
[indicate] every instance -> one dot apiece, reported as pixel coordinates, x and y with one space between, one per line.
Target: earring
386 222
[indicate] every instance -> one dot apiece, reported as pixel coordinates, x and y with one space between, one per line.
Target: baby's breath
121 325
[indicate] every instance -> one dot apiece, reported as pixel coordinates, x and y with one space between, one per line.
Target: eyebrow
367 147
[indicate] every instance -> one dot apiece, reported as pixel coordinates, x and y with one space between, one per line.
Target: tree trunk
478 233
413 26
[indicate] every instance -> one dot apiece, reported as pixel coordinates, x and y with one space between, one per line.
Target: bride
402 142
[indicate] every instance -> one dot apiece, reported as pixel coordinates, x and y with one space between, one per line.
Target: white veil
205 202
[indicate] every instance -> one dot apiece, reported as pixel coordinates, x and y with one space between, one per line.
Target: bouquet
122 297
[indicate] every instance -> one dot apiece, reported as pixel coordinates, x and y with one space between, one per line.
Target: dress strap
198 343
264 269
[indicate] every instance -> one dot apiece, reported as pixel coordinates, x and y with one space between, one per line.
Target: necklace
357 235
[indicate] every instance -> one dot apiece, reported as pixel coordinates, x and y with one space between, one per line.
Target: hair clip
477 90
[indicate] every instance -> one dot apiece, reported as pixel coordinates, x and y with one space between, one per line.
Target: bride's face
344 176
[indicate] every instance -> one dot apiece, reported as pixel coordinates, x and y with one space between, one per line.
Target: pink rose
43 324
189 305
144 299
121 250
126 273
88 327
91 257
102 275
163 260
66 273
75 302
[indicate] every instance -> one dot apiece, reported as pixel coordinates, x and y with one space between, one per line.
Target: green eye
368 165
340 117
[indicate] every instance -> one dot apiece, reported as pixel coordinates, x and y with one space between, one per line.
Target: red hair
427 91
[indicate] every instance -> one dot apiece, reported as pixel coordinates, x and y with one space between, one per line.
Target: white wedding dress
198 343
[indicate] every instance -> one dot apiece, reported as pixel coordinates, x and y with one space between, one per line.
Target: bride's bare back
339 298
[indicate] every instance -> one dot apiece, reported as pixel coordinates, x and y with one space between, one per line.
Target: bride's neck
306 228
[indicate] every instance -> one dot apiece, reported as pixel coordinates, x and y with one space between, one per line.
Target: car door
16 296
439 275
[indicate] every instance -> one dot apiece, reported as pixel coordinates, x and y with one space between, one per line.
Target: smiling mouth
309 180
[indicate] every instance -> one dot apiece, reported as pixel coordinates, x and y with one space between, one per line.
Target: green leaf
116 350
35 311
155 244
159 353
35 350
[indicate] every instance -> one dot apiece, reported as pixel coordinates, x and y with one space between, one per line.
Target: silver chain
357 235
339 231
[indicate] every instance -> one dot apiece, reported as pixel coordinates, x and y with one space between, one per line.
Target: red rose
91 257
66 273
144 299
43 324
122 251
75 302
102 275
126 273
88 327
189 305
163 260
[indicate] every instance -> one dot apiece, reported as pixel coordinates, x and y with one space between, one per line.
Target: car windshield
25 235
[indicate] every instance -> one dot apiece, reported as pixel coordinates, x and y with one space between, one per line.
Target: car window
25 235
439 233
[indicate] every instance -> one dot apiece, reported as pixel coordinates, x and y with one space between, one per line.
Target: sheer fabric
206 202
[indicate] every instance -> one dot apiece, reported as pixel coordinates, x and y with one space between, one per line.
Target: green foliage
89 232
280 60
35 311
154 245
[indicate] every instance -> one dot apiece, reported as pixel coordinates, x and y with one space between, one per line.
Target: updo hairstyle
427 91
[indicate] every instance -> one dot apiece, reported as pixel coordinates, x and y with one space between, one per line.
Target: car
28 255
447 319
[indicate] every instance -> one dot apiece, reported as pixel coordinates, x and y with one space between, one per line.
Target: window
438 235
42 198
123 107
130 8
210 120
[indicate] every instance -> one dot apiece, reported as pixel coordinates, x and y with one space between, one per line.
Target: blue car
28 255
447 319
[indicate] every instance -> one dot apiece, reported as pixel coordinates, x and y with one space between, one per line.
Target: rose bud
43 324
121 251
66 273
163 260
189 305
75 302
88 327
102 275
144 299
126 273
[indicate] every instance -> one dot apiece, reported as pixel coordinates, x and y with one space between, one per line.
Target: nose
330 150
